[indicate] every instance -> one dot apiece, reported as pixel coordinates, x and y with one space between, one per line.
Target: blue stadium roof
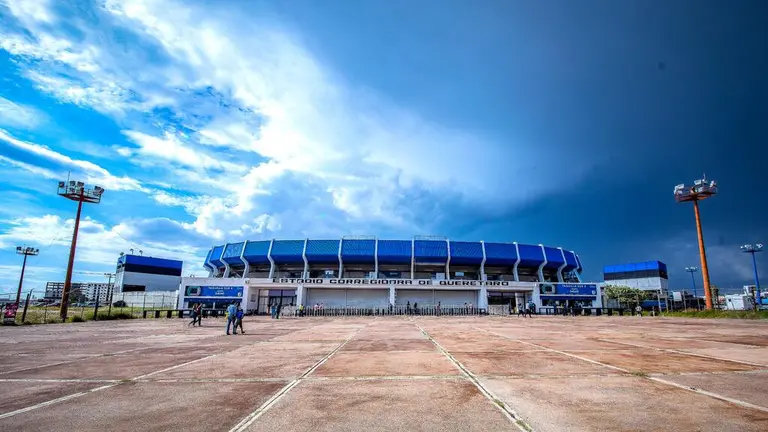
150 261
392 252
633 267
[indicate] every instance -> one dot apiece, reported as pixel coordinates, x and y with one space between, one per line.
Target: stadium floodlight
26 251
753 249
75 191
701 189
693 270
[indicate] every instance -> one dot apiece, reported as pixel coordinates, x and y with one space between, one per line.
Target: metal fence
449 310
123 305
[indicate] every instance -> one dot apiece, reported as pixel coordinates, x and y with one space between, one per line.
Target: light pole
701 189
753 249
111 288
80 193
26 251
693 270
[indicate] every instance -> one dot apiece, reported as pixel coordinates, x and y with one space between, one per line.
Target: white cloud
294 145
17 115
45 173
100 245
93 173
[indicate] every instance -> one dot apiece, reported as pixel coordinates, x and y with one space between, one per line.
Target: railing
457 310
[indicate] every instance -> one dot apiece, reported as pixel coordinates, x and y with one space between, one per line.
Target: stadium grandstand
371 272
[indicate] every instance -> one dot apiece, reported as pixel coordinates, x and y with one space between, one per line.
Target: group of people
525 311
234 314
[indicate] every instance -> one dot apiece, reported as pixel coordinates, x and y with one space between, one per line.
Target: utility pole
111 288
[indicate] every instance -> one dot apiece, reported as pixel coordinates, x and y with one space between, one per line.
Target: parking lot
400 373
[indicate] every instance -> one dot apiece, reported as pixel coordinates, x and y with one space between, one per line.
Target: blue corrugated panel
232 253
256 252
431 251
323 251
644 266
500 254
578 260
207 261
288 251
630 267
215 255
554 257
662 266
531 255
394 251
653 265
466 253
358 251
154 262
570 261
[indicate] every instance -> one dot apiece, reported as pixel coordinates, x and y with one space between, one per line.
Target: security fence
432 310
123 305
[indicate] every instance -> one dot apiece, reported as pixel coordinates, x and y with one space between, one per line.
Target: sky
555 122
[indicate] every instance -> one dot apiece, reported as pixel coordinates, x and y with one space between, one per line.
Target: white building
136 273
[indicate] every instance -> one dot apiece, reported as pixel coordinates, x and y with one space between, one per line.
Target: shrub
77 319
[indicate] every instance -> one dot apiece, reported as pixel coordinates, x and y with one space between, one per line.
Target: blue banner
569 289
214 291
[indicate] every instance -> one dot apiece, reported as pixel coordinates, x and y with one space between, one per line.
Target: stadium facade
367 272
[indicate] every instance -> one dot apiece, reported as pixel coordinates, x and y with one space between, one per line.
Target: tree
625 294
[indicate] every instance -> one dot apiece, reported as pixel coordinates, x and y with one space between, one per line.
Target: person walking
278 309
199 315
231 317
196 315
239 320
193 314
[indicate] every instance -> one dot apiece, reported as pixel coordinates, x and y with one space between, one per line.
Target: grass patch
721 314
77 319
639 374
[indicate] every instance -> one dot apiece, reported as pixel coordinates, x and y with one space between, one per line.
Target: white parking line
652 378
252 417
498 403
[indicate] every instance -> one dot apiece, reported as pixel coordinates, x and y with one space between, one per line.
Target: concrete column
482 297
392 294
300 294
537 297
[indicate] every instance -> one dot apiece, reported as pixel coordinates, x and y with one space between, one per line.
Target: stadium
367 272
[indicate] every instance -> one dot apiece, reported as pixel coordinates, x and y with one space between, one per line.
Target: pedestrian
278 309
438 309
239 319
193 314
231 317
408 307
415 308
199 315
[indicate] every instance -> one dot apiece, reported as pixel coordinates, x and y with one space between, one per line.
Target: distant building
647 276
136 273
78 291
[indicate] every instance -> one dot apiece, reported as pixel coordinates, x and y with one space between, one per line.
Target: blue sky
555 122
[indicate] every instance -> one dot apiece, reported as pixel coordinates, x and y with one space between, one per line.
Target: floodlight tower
693 270
753 249
80 193
701 189
26 251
